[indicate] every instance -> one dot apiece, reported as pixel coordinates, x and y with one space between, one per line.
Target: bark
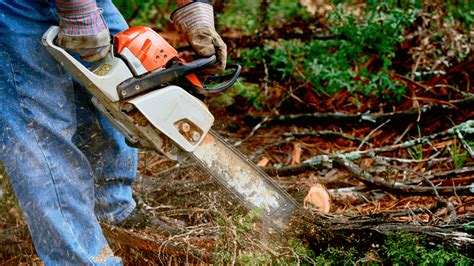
365 232
372 117
162 248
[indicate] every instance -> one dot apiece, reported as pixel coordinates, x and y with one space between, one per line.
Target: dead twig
255 128
466 127
328 133
318 164
374 118
325 161
464 143
446 175
395 186
370 134
271 145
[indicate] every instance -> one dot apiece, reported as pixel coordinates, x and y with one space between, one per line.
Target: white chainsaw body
176 113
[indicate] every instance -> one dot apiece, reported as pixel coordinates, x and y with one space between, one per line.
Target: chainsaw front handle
216 78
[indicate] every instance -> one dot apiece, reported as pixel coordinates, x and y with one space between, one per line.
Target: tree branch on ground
370 117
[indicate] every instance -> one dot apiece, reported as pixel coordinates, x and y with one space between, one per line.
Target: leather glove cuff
72 7
194 15
83 30
196 21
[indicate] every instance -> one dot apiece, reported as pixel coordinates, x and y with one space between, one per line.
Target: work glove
196 21
82 29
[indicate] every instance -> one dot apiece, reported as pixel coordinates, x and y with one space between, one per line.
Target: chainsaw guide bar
245 180
172 122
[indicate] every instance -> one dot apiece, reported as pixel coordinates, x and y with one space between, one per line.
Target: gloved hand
82 29
196 21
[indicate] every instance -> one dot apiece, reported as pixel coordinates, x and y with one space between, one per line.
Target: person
69 168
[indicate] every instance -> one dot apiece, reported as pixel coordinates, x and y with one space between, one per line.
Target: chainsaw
144 88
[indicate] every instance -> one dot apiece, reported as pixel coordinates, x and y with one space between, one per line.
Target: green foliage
458 154
404 248
358 60
249 91
416 152
469 226
236 232
244 223
246 16
240 15
334 256
462 11
398 249
303 253
152 13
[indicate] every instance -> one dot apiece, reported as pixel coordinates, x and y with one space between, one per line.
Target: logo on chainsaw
103 70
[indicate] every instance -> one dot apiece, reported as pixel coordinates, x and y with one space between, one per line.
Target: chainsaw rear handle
174 73
105 83
162 76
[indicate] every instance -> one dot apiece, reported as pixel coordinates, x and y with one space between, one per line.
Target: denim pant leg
113 162
52 178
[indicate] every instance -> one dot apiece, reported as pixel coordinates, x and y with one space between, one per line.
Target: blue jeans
68 166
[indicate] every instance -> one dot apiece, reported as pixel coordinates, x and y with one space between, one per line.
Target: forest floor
200 222
387 166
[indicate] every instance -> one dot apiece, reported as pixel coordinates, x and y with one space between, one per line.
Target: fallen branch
326 161
322 134
446 175
321 162
466 127
464 143
369 117
395 186
365 231
122 237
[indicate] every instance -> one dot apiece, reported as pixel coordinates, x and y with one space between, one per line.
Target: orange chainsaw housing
150 48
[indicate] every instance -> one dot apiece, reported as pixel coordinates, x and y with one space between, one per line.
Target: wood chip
296 154
263 162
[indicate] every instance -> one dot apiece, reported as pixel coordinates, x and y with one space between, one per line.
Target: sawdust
104 254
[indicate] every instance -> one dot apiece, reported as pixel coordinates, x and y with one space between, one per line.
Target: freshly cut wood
263 162
296 159
318 198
